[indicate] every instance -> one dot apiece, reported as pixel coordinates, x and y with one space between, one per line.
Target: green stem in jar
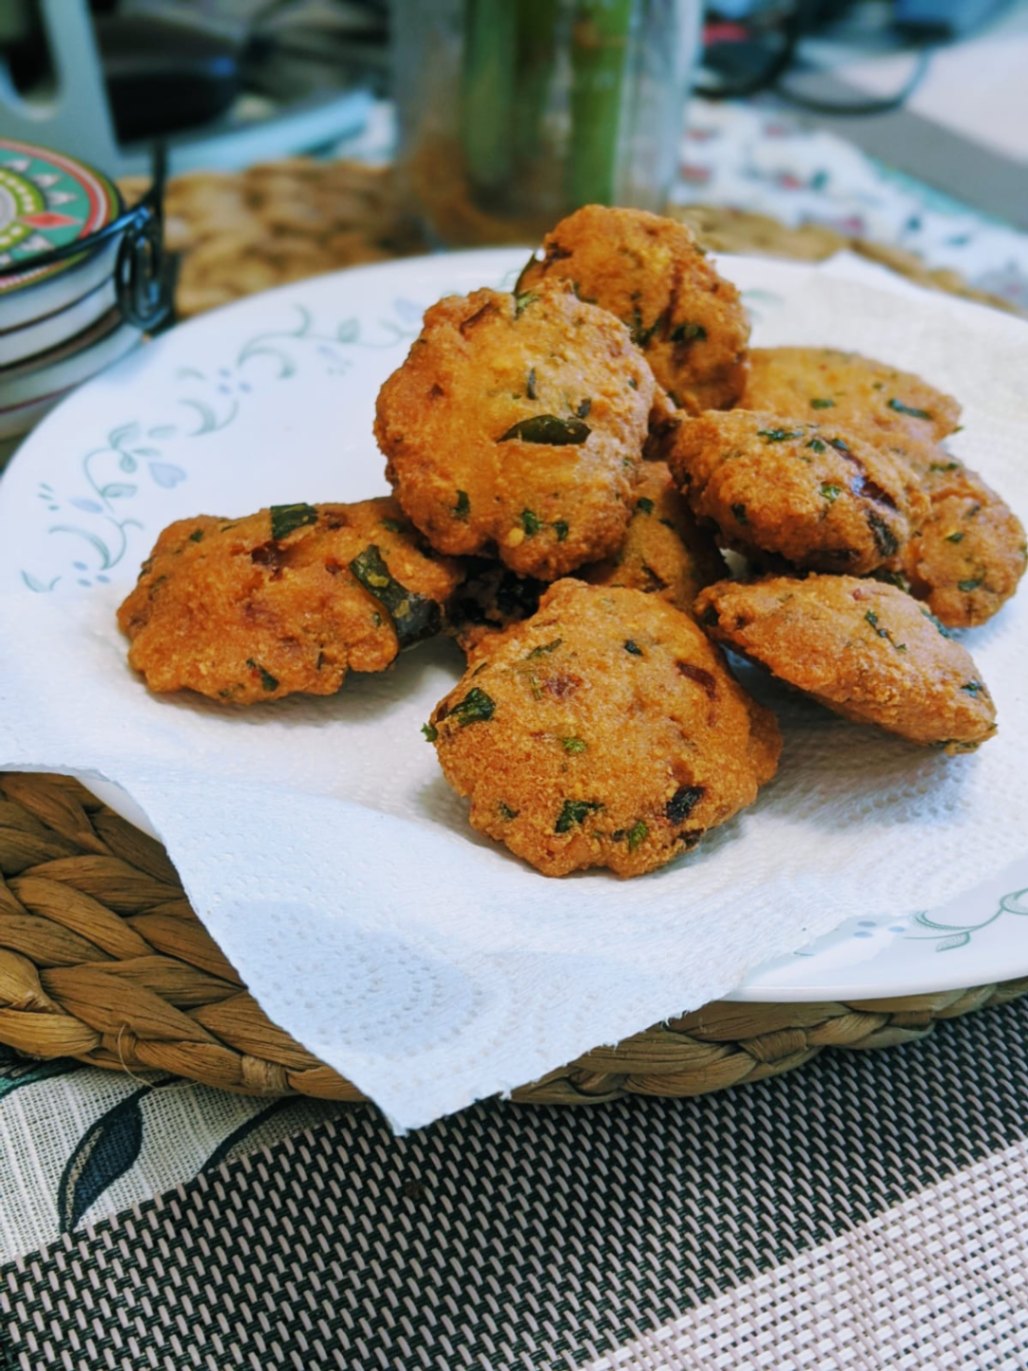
487 91
599 51
536 61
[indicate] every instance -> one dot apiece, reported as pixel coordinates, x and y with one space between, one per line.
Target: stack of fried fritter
568 461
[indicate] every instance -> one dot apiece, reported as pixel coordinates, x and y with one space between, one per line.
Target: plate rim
503 260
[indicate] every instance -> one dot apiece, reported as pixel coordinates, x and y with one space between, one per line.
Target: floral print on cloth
747 157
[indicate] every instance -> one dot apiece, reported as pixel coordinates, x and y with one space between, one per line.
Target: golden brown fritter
866 650
819 496
283 601
665 551
848 389
653 275
515 426
968 552
604 731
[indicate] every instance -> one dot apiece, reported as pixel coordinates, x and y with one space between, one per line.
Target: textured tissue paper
321 847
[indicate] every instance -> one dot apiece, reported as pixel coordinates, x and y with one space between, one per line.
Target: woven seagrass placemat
101 957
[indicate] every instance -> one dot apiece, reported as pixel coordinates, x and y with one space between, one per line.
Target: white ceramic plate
81 514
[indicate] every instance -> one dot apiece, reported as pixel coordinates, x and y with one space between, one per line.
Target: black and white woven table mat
866 1212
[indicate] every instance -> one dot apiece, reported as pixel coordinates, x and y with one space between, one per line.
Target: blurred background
934 87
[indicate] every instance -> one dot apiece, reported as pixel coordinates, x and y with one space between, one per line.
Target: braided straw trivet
240 232
101 957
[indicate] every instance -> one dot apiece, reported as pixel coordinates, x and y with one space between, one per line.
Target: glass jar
511 113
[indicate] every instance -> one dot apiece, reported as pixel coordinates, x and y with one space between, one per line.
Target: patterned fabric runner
868 1211
750 158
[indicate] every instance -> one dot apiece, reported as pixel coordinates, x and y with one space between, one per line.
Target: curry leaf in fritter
549 429
414 616
285 519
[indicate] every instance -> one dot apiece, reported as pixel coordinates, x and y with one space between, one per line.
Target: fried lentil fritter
283 601
604 731
665 551
847 389
819 496
866 650
515 427
651 273
968 551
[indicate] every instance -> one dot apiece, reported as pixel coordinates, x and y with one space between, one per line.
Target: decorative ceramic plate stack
60 322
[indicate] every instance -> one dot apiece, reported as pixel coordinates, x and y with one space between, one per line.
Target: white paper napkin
320 845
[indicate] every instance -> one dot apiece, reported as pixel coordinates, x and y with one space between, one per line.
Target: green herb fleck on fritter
633 647
462 508
901 408
739 514
430 731
414 616
547 429
286 518
476 707
268 681
573 745
196 536
872 619
543 649
561 528
820 403
637 834
574 812
830 491
530 522
645 504
779 435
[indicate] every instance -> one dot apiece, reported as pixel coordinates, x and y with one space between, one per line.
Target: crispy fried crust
845 388
515 427
653 275
248 610
968 552
604 731
817 495
866 650
665 551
